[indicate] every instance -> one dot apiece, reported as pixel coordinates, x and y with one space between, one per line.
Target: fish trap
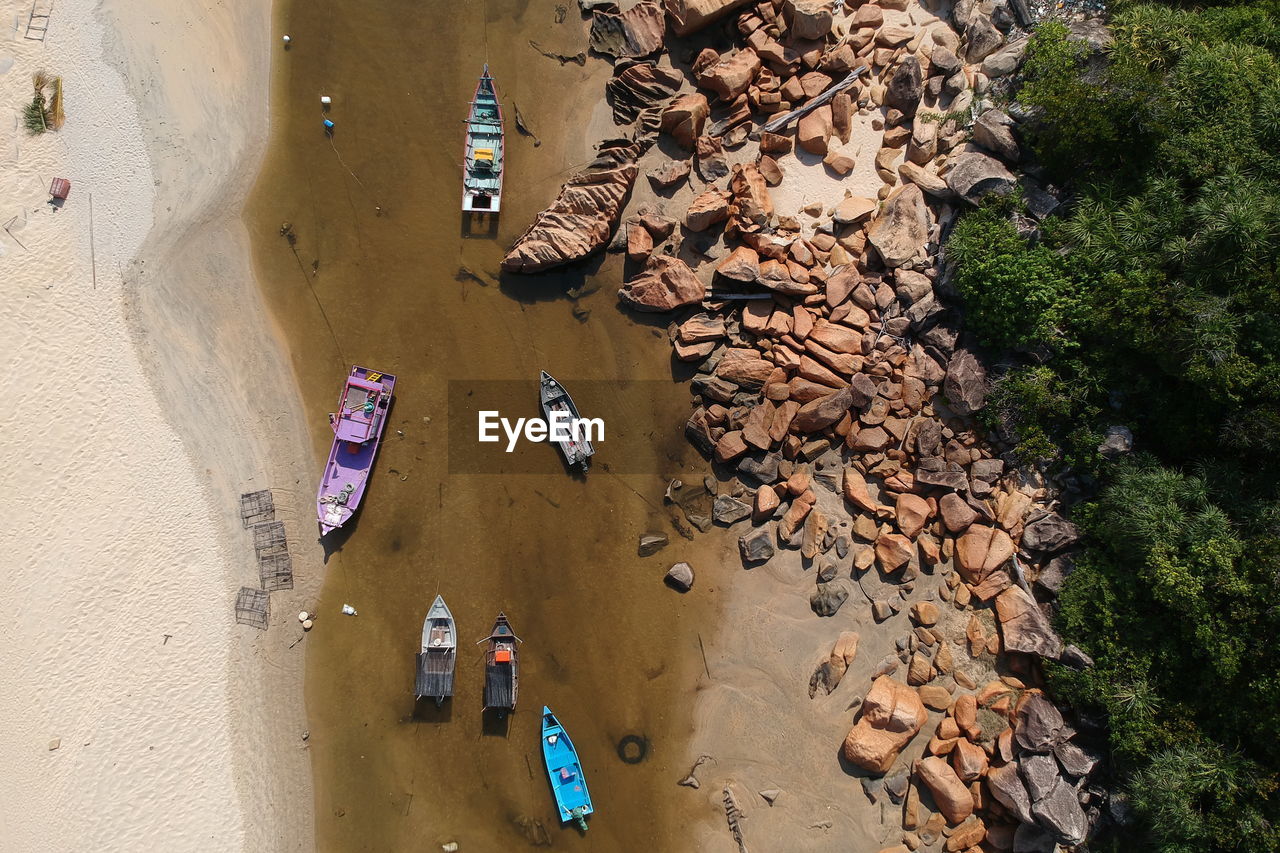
269 538
252 607
257 507
275 571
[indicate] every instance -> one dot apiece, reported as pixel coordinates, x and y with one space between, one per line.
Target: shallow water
383 271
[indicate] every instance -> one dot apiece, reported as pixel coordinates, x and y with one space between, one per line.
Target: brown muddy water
385 272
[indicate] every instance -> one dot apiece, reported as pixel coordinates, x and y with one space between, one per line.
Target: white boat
439 654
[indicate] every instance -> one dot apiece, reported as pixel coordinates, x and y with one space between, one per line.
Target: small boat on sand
357 429
483 157
501 668
577 449
439 654
565 771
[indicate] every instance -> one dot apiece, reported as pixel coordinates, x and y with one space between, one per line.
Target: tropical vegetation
1151 301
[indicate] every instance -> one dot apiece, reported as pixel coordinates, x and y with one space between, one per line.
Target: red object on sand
60 188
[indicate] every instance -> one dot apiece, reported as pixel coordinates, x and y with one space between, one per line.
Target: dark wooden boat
439 654
501 667
556 403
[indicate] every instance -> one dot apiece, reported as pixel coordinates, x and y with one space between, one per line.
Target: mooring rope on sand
344 165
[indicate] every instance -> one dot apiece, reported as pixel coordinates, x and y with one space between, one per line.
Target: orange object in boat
502 656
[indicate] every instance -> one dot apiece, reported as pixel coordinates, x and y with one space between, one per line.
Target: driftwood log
734 815
782 121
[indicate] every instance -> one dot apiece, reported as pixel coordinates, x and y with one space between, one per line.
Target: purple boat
357 429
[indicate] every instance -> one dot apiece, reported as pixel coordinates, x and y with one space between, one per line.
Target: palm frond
57 117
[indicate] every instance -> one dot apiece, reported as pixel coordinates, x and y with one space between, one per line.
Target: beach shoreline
142 328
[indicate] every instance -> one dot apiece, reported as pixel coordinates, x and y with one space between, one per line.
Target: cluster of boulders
941 144
1001 768
833 381
925 80
847 371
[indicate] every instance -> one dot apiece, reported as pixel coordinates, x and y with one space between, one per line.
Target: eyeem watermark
645 432
562 427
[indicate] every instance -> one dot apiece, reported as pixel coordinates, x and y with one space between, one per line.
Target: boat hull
346 471
484 150
555 400
564 770
439 654
501 667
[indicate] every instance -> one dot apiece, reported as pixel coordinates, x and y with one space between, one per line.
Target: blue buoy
328 124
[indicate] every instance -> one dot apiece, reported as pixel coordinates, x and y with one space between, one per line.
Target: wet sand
411 289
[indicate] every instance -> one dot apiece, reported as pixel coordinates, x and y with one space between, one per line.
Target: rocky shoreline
835 391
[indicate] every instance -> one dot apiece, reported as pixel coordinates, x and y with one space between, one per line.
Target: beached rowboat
501 667
483 157
357 428
577 449
568 784
439 654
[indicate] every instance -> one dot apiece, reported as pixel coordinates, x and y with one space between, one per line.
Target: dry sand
755 719
145 390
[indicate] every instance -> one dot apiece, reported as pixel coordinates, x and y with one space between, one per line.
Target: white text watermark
561 428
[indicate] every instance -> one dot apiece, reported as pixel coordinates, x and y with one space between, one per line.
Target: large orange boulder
707 209
893 550
912 512
731 76
751 208
581 218
967 835
836 337
795 515
666 283
968 760
819 414
814 130
744 367
892 714
854 489
765 503
981 550
689 16
685 117
949 793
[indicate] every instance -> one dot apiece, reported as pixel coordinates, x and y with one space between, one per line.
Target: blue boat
567 782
